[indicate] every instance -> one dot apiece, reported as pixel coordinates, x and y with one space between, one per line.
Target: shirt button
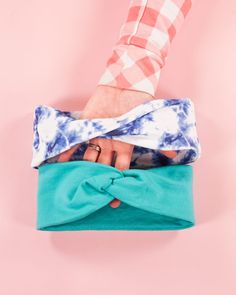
115 203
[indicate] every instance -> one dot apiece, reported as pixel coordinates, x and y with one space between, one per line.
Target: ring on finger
95 147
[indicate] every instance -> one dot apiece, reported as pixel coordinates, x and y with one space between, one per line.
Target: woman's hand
108 102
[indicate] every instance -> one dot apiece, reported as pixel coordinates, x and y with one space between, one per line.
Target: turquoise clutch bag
155 193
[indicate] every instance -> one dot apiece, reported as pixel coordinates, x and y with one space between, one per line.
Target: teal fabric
75 195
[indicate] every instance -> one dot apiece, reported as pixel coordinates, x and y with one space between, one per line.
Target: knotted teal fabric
75 195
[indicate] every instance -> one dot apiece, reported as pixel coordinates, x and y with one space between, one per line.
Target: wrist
113 91
122 100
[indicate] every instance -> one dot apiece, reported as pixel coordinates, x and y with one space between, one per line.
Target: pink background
53 52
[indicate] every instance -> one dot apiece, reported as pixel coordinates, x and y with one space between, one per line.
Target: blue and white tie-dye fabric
156 125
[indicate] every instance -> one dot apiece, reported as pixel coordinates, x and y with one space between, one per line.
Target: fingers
123 153
122 162
111 151
115 203
123 159
169 154
90 154
105 157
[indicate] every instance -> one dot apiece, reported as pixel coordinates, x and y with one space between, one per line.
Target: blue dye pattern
156 125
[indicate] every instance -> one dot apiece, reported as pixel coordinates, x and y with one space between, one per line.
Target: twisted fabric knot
103 182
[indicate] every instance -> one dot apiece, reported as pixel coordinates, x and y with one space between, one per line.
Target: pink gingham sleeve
143 44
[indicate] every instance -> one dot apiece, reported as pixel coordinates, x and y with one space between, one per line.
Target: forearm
143 45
